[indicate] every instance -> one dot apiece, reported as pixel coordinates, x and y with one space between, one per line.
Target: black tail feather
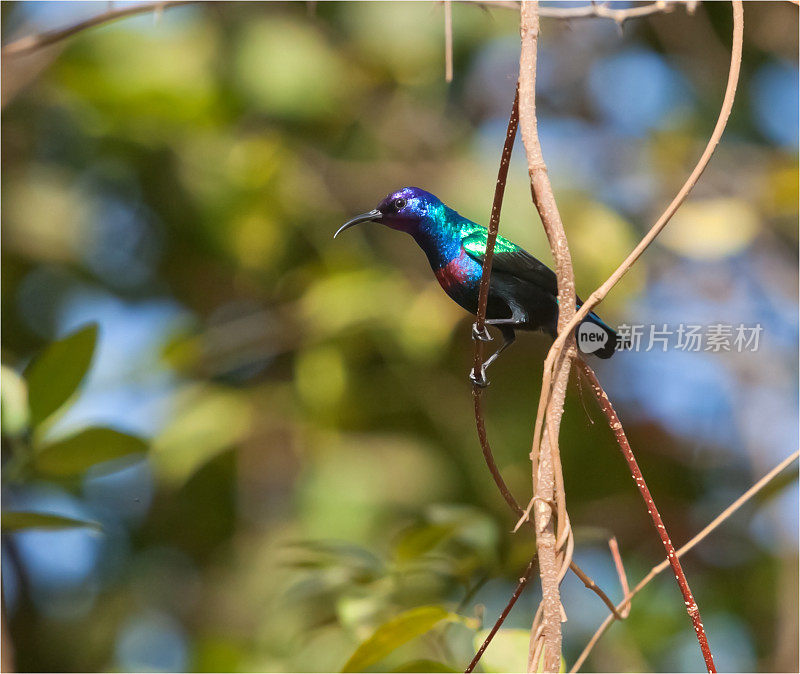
596 338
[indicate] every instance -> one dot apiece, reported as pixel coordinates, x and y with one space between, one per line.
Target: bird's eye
399 204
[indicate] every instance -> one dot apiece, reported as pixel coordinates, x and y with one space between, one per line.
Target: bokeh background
296 455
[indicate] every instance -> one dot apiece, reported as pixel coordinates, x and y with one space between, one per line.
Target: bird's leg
508 339
480 336
481 379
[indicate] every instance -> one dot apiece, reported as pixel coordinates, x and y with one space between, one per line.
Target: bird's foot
479 380
480 336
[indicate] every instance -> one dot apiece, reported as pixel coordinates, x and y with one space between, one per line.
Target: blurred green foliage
312 495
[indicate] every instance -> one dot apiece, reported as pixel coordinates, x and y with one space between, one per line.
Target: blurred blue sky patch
637 90
774 102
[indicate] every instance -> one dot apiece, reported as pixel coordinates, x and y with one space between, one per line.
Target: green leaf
206 421
420 540
74 455
58 371
13 402
424 666
394 633
20 521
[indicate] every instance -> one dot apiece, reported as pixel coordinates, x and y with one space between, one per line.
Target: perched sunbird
522 292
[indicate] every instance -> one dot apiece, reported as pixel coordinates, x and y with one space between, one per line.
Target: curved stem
549 509
554 355
701 535
31 43
622 440
523 581
491 238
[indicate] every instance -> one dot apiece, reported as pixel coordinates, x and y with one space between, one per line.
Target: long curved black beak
372 216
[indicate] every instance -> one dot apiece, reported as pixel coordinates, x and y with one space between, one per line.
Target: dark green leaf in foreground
74 455
58 371
393 634
20 521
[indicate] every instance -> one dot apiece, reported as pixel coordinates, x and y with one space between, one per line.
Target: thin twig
598 295
486 4
623 577
523 581
489 456
701 535
622 440
590 584
550 515
554 360
30 43
517 509
477 391
494 222
479 418
483 296
600 10
448 40
491 237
